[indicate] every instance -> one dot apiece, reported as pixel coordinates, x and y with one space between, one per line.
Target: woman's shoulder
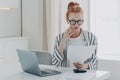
88 33
90 37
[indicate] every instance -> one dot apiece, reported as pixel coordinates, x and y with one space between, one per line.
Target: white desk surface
13 71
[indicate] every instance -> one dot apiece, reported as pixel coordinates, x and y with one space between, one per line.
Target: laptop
29 63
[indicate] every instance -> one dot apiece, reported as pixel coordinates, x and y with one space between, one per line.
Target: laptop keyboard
44 72
48 71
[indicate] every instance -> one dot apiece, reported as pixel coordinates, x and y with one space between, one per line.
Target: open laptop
29 63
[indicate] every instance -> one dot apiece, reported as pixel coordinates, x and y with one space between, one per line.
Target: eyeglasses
79 22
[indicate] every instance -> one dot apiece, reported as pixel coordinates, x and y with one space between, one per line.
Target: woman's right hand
67 34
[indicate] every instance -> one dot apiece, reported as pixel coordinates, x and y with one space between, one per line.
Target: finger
68 29
74 63
79 66
68 32
76 66
71 34
77 62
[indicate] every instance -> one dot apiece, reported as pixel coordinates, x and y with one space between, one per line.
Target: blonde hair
73 7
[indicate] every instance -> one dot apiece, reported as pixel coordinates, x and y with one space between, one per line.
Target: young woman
74 35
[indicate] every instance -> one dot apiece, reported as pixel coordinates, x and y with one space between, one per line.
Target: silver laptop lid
29 62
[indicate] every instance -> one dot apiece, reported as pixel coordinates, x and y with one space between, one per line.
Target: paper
79 54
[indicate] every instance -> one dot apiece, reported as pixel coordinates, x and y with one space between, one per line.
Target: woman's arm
57 57
93 61
60 43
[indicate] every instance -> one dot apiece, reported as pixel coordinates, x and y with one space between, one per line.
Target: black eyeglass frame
76 21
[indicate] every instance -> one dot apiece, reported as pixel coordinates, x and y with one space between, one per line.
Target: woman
74 35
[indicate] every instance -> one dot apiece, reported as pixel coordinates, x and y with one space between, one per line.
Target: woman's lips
76 27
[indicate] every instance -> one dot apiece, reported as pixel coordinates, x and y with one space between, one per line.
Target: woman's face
75 20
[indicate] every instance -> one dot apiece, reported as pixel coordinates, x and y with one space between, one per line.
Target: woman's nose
76 25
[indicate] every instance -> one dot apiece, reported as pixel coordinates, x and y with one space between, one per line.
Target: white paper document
79 53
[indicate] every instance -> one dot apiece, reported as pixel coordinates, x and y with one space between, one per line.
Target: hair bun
72 4
73 7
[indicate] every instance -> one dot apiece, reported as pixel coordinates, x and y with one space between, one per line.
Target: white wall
8 48
110 65
10 34
32 19
10 22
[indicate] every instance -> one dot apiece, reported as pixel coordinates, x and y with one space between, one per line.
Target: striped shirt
87 39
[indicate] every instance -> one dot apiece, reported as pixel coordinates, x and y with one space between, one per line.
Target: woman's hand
80 66
67 34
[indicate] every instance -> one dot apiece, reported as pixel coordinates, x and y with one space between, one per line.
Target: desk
13 71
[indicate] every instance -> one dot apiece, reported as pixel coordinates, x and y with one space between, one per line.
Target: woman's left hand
80 66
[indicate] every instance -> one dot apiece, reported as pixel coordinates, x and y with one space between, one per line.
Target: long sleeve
57 57
59 60
93 61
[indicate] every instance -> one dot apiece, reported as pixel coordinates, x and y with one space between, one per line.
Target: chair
44 57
